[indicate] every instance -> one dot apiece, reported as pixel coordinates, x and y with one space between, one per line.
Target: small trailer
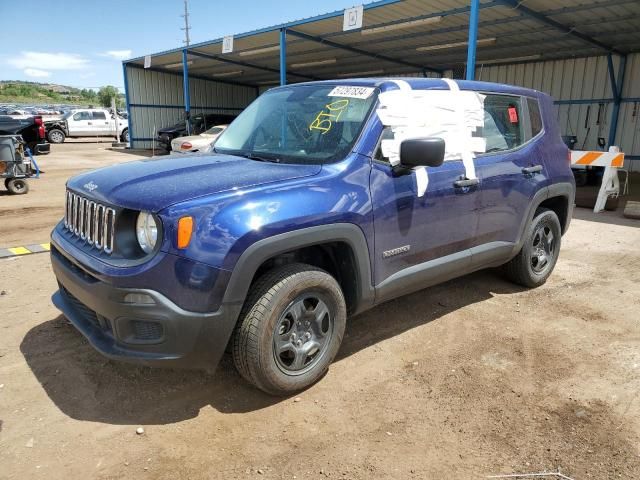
16 164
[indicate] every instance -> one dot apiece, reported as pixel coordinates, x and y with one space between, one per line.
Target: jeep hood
155 184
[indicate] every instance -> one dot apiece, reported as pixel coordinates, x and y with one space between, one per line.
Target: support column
473 39
125 75
283 56
617 83
185 85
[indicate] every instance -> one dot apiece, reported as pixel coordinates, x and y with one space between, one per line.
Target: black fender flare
562 189
262 250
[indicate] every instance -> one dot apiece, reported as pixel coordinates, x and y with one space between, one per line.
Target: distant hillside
35 93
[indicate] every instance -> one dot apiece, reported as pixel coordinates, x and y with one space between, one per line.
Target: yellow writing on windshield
329 114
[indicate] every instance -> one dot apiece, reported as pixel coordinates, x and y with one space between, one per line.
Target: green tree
105 94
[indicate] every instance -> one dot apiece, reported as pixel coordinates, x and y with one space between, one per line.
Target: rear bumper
148 329
42 148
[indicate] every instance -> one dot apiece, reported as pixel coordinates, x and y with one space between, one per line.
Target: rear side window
99 116
502 123
534 116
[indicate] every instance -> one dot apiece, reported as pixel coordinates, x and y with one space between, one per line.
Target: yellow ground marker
19 251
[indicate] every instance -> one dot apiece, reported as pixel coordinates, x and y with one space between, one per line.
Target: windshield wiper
260 158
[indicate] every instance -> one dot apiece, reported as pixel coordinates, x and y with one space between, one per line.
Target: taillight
186 146
40 124
569 157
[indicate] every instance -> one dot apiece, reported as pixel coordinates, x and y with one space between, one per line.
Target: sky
82 43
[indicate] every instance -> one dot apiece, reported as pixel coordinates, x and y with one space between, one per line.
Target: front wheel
290 329
124 136
539 253
17 186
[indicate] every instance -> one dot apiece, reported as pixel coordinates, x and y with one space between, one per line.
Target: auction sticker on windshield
351 92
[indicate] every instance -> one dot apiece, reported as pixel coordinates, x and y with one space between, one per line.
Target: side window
99 116
387 134
82 116
502 123
534 115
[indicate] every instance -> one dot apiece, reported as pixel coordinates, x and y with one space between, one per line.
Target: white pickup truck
86 122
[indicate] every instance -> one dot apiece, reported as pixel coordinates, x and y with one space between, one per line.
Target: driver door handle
532 169
466 182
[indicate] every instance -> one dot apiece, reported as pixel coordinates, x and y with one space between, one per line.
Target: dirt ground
465 380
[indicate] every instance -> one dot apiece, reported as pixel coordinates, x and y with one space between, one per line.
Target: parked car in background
97 122
199 123
31 129
265 247
197 143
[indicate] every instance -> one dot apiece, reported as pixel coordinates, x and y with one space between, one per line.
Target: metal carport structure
584 53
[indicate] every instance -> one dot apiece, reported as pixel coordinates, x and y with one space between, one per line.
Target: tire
289 307
56 135
17 186
124 136
539 253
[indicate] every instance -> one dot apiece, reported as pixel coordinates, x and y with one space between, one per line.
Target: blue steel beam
185 84
472 41
359 51
490 4
616 84
283 56
209 79
241 63
126 101
274 28
517 5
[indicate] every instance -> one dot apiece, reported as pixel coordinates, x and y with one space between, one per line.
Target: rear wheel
290 329
56 136
17 186
124 136
539 253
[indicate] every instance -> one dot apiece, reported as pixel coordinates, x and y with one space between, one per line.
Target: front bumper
155 332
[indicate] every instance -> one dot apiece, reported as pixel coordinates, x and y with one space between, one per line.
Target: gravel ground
472 378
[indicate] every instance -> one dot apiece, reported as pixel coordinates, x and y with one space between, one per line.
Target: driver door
420 240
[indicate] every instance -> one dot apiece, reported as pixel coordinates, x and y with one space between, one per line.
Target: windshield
300 124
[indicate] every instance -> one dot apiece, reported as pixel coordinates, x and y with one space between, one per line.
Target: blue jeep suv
319 201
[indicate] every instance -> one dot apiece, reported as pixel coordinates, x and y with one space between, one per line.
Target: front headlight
147 231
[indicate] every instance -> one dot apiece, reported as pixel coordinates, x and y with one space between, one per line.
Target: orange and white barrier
611 160
598 159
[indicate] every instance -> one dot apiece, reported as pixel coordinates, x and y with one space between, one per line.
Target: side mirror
422 152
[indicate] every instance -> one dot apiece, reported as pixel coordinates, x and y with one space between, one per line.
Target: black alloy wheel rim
302 334
543 249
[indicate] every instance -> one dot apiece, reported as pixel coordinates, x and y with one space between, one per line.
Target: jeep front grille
92 222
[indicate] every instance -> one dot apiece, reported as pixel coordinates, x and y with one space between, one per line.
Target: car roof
417 83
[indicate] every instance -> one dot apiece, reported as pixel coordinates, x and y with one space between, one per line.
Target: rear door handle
532 169
466 182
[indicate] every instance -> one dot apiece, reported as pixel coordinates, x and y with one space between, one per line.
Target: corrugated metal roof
506 33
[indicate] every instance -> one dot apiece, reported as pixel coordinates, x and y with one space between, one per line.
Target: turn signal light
185 229
186 146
